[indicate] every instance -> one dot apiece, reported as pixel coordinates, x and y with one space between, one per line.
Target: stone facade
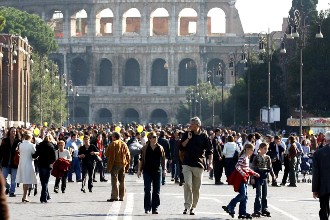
14 80
136 66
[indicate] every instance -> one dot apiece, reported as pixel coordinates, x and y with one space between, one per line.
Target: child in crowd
239 178
262 165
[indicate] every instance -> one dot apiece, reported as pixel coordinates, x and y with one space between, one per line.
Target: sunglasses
153 137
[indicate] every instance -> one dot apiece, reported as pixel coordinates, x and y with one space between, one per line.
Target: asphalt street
284 202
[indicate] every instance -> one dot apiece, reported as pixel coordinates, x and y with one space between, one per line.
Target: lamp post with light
268 39
297 20
75 93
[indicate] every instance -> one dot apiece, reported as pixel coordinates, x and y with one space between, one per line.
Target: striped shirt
242 165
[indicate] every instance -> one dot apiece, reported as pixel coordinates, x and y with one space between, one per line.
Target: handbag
17 156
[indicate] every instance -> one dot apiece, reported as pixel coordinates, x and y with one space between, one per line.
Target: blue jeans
44 174
173 169
12 172
241 198
154 202
75 165
260 203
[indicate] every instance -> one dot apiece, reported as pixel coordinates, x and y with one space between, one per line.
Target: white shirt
229 149
64 154
258 142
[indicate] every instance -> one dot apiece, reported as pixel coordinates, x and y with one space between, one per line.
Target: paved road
284 203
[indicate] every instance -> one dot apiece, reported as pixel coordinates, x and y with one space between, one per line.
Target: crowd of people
152 151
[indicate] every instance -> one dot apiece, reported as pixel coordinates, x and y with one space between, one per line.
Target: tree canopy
39 34
2 22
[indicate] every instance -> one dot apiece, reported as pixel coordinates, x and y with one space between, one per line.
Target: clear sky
258 15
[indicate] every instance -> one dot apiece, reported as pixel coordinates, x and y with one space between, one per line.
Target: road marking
129 206
283 212
113 211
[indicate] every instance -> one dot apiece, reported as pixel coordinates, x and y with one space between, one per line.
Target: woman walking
152 164
88 154
229 150
45 154
25 171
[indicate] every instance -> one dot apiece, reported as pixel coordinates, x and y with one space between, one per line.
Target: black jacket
6 150
217 149
274 155
166 145
45 154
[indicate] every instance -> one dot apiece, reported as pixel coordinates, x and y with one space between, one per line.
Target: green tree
2 23
41 37
39 34
199 102
308 5
48 88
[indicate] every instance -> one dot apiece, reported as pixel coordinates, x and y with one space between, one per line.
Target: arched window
131 115
104 23
187 73
79 24
187 23
159 73
158 115
104 116
132 73
79 72
105 73
216 22
57 23
131 22
159 22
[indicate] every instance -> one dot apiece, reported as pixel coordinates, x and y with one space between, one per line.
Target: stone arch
213 71
80 115
159 73
55 20
159 115
105 77
132 73
159 20
216 22
131 22
104 116
79 72
79 25
187 22
104 22
131 115
187 72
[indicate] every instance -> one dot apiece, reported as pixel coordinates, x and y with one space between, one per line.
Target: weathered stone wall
83 44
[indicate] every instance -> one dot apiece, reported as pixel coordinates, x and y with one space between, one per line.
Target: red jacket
236 178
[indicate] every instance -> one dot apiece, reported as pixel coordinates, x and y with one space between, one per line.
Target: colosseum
133 60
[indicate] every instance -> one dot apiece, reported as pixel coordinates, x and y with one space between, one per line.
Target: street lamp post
62 83
221 73
74 94
268 39
297 19
210 73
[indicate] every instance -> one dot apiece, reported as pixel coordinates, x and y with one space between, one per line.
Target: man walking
321 177
73 146
194 143
118 158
